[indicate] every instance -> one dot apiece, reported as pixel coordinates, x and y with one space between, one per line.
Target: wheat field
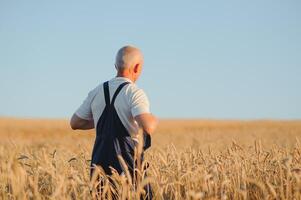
189 159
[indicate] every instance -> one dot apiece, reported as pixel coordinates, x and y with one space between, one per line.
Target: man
117 109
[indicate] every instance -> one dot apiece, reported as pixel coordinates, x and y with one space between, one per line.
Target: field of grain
189 159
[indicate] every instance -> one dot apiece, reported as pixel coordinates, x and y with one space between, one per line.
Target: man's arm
147 122
79 123
83 117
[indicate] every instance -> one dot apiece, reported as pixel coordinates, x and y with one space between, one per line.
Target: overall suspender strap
106 92
117 91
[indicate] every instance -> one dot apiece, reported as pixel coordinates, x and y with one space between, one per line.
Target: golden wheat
44 159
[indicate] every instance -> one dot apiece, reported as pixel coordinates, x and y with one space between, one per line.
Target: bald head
127 57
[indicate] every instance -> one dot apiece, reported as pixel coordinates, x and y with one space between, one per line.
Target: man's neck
125 75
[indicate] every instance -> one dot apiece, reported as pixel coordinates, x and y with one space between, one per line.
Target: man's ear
136 68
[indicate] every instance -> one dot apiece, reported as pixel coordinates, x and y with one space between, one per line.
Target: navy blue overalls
113 139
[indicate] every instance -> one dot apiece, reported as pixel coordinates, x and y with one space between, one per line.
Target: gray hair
127 57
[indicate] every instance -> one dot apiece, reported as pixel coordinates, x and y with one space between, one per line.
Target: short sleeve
85 111
139 103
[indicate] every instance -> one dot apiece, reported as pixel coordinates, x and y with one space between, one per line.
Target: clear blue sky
203 59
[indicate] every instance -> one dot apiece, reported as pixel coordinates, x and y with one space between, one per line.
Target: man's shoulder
133 89
95 90
130 88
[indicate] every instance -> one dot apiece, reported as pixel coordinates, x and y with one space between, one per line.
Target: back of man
114 119
130 102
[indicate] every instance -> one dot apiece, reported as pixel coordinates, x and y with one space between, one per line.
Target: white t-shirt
130 102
